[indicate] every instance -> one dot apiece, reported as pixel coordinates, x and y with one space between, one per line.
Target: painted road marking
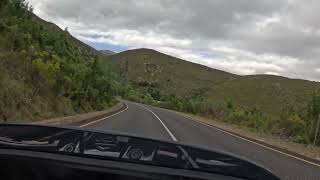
96 121
165 127
256 143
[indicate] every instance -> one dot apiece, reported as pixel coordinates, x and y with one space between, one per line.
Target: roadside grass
283 143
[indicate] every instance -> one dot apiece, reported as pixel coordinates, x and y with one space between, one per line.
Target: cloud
278 37
131 38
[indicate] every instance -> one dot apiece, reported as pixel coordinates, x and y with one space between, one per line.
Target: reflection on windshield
125 148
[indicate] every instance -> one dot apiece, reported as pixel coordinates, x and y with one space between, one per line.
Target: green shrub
293 126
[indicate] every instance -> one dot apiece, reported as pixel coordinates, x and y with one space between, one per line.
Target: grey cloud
187 18
293 33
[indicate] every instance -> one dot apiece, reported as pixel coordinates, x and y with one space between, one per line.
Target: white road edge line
275 150
165 127
96 121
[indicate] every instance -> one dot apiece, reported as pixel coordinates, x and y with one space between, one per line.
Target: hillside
107 52
167 73
148 70
44 71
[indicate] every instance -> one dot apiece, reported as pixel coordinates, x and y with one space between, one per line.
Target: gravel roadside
84 118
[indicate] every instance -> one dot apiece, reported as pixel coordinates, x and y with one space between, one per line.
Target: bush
293 126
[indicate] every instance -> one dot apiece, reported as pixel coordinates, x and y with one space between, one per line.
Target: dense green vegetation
269 104
44 71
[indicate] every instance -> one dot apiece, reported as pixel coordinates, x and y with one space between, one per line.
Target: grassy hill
266 92
169 74
277 105
44 71
145 69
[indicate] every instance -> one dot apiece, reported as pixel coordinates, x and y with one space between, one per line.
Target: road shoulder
309 154
85 118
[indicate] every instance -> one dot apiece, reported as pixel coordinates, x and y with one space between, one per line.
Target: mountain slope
266 92
168 73
44 71
107 52
145 69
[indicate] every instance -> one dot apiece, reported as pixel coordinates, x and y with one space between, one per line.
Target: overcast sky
280 37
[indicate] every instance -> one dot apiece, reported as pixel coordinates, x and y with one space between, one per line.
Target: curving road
153 122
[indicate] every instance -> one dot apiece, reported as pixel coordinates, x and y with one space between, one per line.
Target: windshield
126 148
236 77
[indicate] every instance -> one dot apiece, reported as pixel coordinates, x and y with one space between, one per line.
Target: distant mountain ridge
146 69
107 52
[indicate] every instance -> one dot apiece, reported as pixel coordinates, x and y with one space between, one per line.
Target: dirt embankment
81 119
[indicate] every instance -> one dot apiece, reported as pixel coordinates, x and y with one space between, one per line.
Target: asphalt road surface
153 122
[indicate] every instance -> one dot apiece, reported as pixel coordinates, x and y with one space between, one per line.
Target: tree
317 130
314 115
66 30
14 30
3 3
230 105
294 125
20 8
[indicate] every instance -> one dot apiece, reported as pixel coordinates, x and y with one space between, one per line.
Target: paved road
158 123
